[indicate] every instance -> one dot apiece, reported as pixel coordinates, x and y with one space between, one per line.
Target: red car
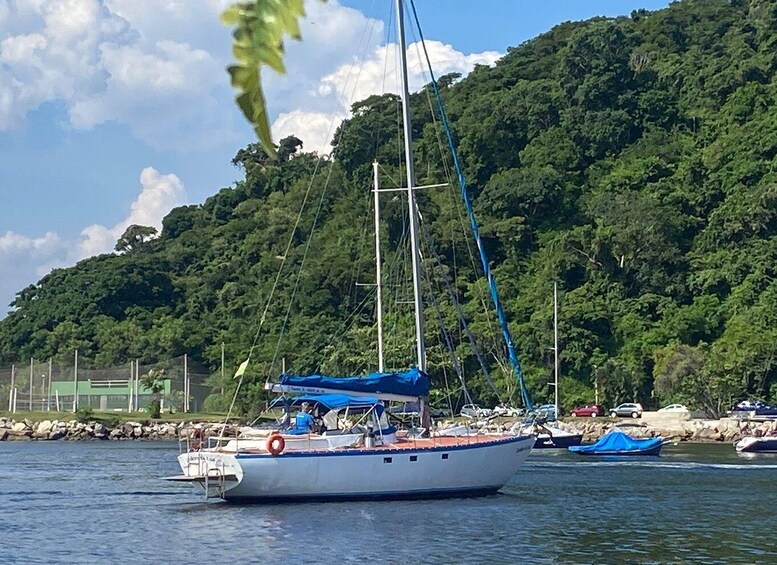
591 410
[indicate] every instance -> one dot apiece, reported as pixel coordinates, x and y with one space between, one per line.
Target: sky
113 112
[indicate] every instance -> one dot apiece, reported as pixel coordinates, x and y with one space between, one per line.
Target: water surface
102 502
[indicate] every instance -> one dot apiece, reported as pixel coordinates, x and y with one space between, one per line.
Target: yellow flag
241 369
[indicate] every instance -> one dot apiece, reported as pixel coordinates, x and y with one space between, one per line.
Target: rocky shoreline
73 430
694 431
697 431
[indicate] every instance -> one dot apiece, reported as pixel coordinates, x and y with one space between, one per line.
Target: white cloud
317 90
167 98
13 243
379 73
315 129
158 195
50 51
169 92
195 22
158 67
24 259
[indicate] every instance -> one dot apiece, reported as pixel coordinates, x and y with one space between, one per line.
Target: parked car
547 411
627 409
766 410
588 411
507 411
674 408
440 412
747 406
757 407
474 411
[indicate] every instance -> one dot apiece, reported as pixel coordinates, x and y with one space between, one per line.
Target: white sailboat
550 435
367 459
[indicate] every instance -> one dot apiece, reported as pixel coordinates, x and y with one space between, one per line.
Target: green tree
134 238
154 381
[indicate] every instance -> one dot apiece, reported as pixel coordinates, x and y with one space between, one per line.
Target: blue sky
114 111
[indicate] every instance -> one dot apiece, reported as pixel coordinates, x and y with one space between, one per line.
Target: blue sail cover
409 383
617 442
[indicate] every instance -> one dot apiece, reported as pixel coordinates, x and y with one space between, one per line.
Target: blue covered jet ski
617 442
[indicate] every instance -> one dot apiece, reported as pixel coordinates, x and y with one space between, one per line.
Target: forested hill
633 160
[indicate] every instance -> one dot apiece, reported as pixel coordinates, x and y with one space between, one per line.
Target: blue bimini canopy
410 383
333 401
616 442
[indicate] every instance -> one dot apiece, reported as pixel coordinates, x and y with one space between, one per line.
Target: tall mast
378 285
419 311
555 343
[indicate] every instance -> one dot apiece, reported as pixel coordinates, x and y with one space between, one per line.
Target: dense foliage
633 160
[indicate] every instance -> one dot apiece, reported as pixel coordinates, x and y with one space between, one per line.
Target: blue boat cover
409 383
618 442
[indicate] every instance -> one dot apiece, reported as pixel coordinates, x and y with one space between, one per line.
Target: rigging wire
475 229
354 284
398 270
389 27
444 155
448 340
459 313
463 326
478 290
320 201
349 321
288 249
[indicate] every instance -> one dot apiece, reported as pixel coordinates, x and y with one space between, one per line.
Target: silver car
626 410
474 411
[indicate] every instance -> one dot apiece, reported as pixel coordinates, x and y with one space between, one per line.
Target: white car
674 408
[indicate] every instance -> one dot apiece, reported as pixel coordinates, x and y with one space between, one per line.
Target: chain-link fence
44 386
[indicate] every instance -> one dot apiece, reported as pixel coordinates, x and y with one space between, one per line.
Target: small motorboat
617 442
554 437
751 444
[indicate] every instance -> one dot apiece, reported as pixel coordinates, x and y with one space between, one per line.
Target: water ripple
104 503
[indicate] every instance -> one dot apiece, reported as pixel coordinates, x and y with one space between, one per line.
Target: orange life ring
276 444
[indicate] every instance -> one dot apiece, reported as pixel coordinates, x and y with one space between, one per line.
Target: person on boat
303 421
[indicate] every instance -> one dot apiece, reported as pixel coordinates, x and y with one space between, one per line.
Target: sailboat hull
460 469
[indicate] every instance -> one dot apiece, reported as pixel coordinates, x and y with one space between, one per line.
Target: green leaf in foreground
260 27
